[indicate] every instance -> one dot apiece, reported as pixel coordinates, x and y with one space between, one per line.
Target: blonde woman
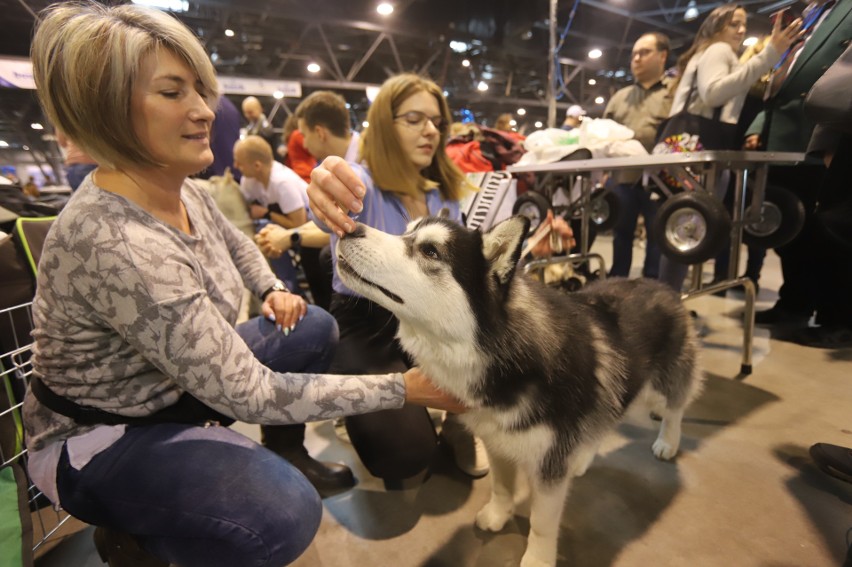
136 356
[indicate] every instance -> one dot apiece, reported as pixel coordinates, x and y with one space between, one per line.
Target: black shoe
118 549
778 315
326 477
833 460
826 336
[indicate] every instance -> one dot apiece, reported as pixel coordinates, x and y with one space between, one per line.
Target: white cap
576 111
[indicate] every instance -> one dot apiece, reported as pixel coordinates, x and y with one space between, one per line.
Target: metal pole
551 69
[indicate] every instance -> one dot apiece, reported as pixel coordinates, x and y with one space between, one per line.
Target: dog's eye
429 251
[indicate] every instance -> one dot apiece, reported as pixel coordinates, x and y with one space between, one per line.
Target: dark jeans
392 444
634 201
208 496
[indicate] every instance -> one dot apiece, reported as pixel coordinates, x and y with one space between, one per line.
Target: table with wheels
693 225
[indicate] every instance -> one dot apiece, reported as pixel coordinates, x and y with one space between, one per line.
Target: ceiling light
749 41
599 100
538 124
446 93
459 46
384 9
593 82
522 111
278 95
513 122
229 33
365 124
482 86
313 68
595 53
691 11
172 5
465 63
4 144
36 126
26 148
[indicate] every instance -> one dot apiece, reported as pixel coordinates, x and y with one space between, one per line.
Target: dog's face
437 275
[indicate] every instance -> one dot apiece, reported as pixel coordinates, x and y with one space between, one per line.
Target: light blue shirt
384 211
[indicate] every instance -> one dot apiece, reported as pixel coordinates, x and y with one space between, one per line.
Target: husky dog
546 374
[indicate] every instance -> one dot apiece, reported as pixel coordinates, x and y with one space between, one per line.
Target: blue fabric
634 201
76 173
208 497
384 211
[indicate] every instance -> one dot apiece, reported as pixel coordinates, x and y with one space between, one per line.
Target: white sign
16 73
260 87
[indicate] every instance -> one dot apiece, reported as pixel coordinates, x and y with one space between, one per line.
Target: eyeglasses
417 120
643 53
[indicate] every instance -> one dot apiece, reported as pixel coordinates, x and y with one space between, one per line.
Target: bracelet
277 286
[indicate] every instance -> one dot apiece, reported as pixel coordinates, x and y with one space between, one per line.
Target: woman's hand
273 240
285 309
420 391
782 39
334 191
562 237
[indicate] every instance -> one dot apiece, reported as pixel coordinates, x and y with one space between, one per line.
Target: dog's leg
548 501
581 459
494 515
668 440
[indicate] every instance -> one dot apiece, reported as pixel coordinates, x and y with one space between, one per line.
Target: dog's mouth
344 266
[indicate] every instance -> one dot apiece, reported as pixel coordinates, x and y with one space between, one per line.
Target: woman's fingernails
349 227
293 327
278 327
356 207
271 317
287 331
301 317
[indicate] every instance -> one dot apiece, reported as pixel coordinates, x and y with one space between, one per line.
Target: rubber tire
787 213
608 208
711 217
534 206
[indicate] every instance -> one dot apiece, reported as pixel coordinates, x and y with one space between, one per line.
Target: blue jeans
634 200
208 496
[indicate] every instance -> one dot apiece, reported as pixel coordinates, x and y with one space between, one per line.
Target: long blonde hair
707 34
391 168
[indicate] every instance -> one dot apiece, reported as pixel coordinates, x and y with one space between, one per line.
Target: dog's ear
501 246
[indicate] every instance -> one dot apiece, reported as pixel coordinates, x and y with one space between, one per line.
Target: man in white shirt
274 191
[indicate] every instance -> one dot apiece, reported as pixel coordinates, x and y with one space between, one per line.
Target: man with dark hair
324 122
641 107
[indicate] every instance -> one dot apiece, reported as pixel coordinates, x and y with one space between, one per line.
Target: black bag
687 132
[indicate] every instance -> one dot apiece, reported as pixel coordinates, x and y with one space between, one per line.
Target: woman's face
170 113
415 123
734 32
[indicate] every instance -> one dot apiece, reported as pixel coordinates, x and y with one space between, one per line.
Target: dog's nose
359 231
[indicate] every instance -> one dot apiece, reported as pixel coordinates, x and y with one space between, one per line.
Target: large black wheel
534 206
779 220
604 209
692 227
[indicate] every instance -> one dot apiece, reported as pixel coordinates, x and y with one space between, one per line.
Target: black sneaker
779 315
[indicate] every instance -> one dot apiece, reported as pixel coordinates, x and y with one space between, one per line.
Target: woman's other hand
562 241
419 390
285 309
334 191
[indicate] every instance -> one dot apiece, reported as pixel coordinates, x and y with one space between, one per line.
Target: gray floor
743 491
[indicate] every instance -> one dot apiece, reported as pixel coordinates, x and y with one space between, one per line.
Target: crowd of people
139 359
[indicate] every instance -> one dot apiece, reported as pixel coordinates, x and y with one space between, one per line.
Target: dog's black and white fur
547 374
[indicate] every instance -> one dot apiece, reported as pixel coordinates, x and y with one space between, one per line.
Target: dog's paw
528 560
492 517
663 450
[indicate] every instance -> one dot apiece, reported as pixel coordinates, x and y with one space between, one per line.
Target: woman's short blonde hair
391 168
86 60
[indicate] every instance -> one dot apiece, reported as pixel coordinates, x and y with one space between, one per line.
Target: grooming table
701 171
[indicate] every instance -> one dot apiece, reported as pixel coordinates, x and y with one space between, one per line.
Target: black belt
187 409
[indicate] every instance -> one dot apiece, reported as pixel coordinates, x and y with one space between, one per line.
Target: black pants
799 262
392 444
318 272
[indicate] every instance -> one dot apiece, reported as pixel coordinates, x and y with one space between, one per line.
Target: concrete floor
742 493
